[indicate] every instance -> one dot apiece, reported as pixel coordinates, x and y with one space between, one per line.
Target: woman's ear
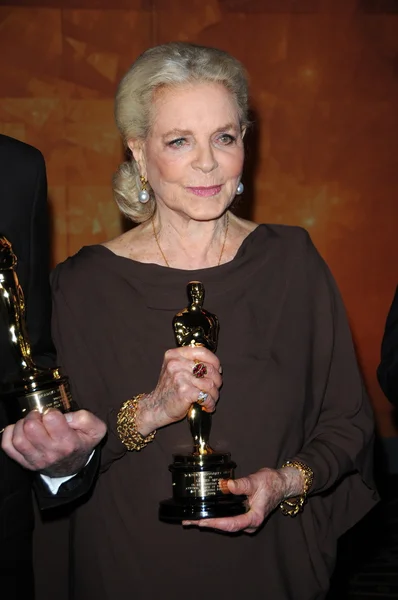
137 150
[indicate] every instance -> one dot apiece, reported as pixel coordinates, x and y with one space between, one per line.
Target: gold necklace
163 255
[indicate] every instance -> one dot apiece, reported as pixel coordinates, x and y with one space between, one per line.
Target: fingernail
187 523
223 485
49 413
68 418
220 369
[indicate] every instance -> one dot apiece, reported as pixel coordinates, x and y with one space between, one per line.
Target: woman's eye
178 143
227 139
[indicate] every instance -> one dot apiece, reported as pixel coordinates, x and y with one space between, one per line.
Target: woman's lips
205 191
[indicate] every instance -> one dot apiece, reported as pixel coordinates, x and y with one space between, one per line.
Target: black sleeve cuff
71 490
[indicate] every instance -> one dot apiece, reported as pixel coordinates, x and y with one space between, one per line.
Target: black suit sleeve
387 372
38 321
71 490
38 296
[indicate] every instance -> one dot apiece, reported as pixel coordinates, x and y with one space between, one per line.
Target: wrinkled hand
265 490
177 388
53 443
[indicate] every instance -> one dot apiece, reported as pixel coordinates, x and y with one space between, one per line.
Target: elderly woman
293 410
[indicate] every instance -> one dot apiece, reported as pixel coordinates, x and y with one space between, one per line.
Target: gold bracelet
126 426
292 506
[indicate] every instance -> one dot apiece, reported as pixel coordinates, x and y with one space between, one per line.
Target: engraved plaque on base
30 386
196 489
41 389
197 478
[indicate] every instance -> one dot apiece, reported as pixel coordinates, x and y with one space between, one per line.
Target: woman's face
193 156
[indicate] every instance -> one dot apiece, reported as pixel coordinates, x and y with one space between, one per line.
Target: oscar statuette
199 479
29 387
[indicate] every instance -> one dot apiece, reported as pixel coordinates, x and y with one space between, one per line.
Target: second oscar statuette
30 386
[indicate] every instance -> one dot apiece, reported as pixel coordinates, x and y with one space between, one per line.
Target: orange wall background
324 152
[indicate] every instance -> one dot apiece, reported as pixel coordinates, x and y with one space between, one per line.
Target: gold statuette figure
29 387
199 478
194 326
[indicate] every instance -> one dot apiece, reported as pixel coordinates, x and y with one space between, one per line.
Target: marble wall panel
59 68
323 146
325 93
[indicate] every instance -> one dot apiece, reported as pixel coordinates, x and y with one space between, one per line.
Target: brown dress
292 388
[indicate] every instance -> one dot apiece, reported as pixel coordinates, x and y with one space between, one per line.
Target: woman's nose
205 159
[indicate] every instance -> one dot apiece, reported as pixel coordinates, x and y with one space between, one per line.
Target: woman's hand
265 490
178 388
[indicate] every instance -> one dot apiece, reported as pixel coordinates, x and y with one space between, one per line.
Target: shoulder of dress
78 271
288 232
293 245
292 239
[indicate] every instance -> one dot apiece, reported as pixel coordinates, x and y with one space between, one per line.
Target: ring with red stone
199 370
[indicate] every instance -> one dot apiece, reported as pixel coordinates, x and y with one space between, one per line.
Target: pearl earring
240 188
143 196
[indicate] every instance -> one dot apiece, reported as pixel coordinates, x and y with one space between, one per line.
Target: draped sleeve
339 422
81 324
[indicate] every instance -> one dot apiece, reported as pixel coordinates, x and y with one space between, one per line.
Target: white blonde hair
172 64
